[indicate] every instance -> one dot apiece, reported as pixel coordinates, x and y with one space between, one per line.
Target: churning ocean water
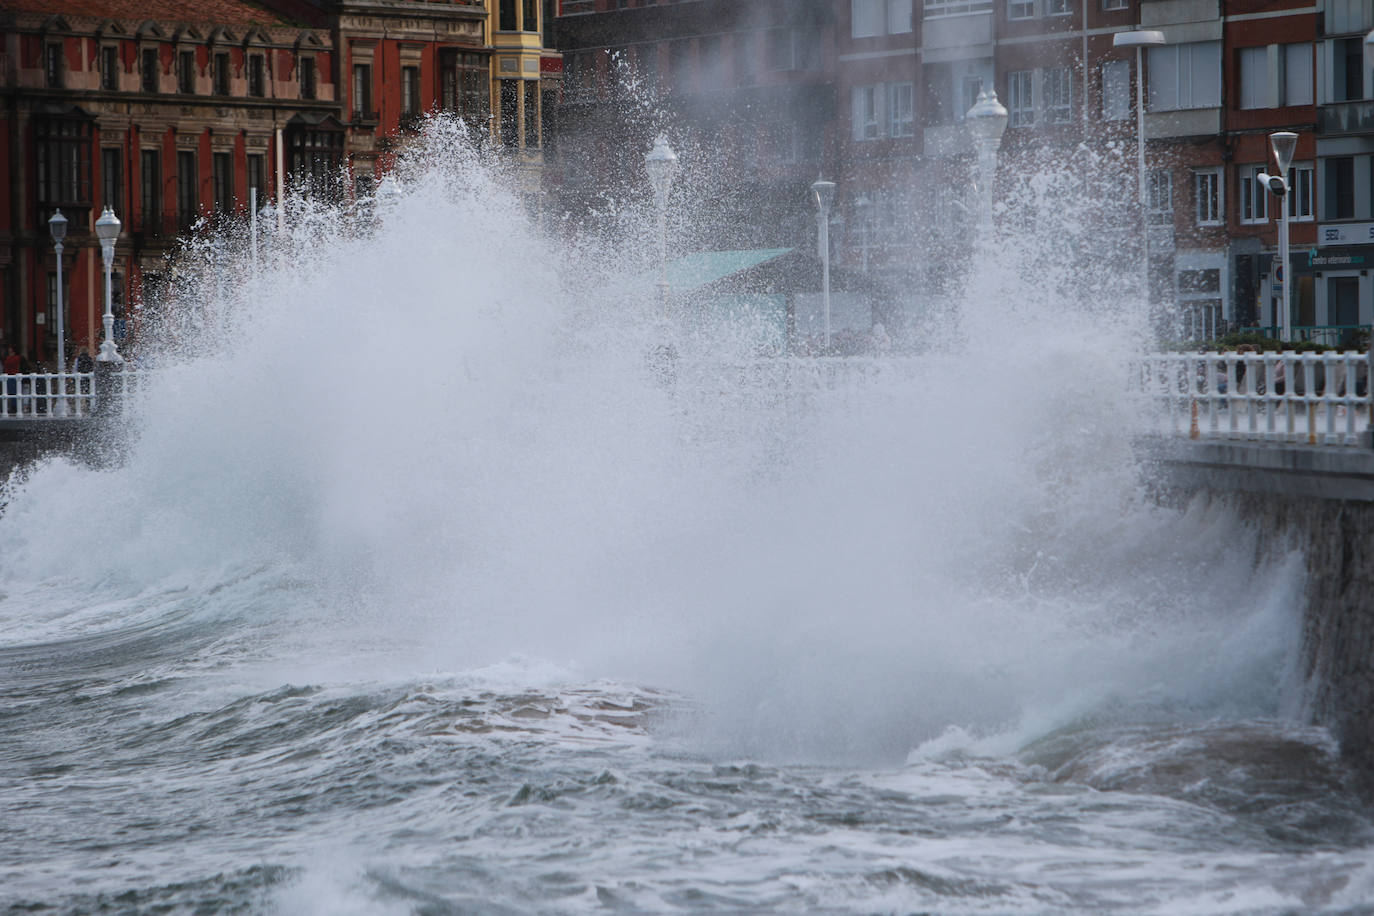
413 588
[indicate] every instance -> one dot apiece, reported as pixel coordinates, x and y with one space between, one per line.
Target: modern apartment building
882 106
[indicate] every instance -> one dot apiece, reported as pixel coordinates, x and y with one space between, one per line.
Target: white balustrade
54 395
1322 398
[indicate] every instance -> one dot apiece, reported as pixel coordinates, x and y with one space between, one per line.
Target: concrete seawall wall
1321 500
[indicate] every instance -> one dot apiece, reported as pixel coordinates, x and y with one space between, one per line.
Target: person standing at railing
13 364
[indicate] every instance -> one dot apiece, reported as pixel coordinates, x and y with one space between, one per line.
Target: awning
705 267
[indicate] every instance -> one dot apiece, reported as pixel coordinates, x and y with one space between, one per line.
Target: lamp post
107 230
58 227
1141 39
1284 143
824 193
661 164
987 119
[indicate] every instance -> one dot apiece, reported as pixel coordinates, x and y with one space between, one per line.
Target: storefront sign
1333 258
1345 234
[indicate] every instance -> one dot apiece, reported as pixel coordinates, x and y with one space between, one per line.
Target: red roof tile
227 12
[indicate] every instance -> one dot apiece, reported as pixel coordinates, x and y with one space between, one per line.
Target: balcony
1346 117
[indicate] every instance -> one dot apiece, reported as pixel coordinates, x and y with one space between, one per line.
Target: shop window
510 113
316 160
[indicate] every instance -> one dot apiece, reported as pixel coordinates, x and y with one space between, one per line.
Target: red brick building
885 103
175 111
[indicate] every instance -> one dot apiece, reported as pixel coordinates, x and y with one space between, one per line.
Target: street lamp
987 119
661 164
1284 143
824 193
107 230
1141 39
58 227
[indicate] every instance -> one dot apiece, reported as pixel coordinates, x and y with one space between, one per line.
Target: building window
1254 77
223 165
112 178
149 68
531 114
63 166
1115 4
109 67
1347 69
188 206
257 76
1297 73
186 72
868 112
1161 198
1254 196
1057 8
794 49
316 158
508 23
306 77
510 113
1340 187
1207 196
362 92
1057 84
52 66
221 74
257 171
870 18
465 87
900 109
410 92
530 20
646 65
150 190
1300 207
1185 76
1116 90
1020 9
1021 98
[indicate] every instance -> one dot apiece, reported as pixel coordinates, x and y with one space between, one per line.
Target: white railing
56 396
1305 398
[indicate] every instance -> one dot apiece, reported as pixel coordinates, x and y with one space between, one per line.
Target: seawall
1322 500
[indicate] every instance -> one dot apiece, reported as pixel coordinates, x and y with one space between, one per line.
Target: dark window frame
112 178
306 76
257 76
109 67
150 190
54 73
150 69
315 157
62 156
221 68
222 173
188 189
186 72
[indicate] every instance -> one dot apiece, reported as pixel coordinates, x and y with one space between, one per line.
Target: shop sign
1333 258
1345 234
